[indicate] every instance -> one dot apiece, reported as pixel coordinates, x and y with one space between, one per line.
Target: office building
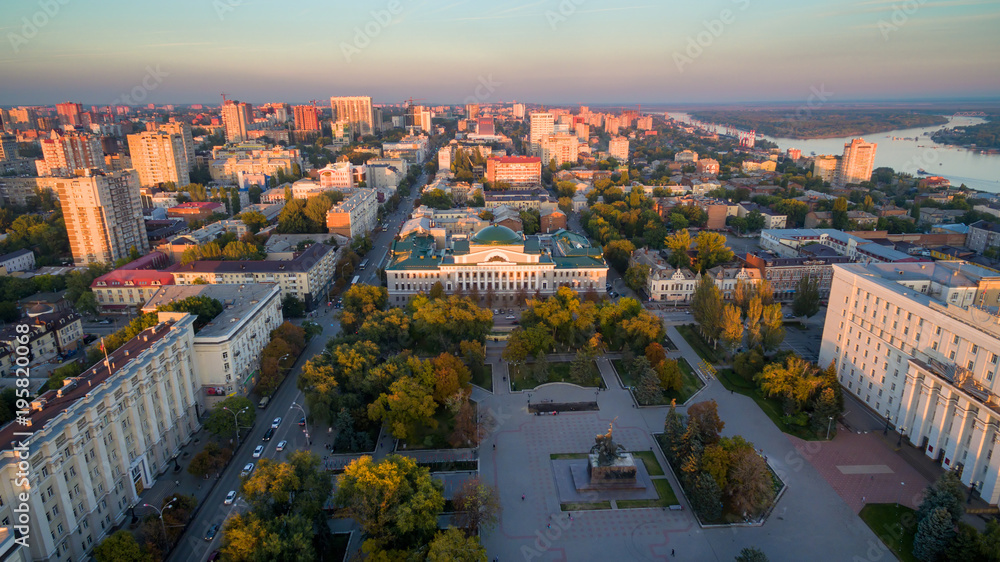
70 114
785 273
306 118
159 157
497 261
237 118
308 276
385 174
356 112
918 345
542 124
63 154
418 119
227 350
103 214
518 171
618 149
856 164
354 216
100 440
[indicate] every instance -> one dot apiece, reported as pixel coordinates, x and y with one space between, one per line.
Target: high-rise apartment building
356 111
612 125
542 124
825 167
306 118
856 164
561 147
618 149
8 147
918 344
471 110
103 214
70 114
518 171
236 118
22 116
518 110
582 131
184 130
159 157
418 118
64 153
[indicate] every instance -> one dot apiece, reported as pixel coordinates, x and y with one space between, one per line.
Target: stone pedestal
620 474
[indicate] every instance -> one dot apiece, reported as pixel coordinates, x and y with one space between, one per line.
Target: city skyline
548 52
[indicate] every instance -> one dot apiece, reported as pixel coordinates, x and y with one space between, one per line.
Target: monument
610 467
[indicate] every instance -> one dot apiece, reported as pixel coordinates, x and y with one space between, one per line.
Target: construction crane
409 102
223 94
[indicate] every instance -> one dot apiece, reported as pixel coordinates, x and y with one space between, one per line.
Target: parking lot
805 338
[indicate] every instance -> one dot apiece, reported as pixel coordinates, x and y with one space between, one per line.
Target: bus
355 280
364 264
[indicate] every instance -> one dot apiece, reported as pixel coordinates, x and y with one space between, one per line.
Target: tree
450 376
359 302
670 375
452 546
706 498
407 407
772 327
583 369
946 492
618 252
437 290
636 277
706 416
255 221
825 409
731 327
706 306
712 250
121 547
673 429
755 309
678 243
934 532
540 369
205 308
648 390
221 421
212 458
806 301
750 487
478 507
395 501
751 554
292 307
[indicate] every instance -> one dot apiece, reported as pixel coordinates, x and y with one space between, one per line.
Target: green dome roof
497 235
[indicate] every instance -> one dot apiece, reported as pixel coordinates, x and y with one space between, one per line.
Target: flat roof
238 302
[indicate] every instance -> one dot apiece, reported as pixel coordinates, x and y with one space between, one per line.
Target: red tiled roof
516 159
133 278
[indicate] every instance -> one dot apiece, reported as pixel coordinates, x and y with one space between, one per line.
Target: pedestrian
522 497
672 552
494 446
862 499
549 525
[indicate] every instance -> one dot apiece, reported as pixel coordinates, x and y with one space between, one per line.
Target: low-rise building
707 166
784 274
551 221
21 260
518 171
686 156
385 174
99 441
930 215
195 210
982 235
306 277
227 350
122 289
862 219
521 200
772 220
50 333
354 216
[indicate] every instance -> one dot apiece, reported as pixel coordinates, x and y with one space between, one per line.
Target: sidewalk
181 482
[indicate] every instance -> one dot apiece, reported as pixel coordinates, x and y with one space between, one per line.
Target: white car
510 317
230 497
281 446
276 423
258 451
247 469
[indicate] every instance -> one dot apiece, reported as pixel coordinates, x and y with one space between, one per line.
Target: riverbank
808 124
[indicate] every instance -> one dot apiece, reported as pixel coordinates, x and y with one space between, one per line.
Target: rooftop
301 263
238 302
497 235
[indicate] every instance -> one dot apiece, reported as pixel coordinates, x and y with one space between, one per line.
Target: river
960 165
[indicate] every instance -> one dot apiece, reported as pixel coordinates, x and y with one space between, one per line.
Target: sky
99 52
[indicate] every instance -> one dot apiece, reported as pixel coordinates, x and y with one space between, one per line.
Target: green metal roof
497 235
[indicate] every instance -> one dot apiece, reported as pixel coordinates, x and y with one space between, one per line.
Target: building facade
917 345
354 216
237 118
21 260
62 154
983 235
561 147
124 289
159 157
103 214
518 171
856 164
618 148
356 112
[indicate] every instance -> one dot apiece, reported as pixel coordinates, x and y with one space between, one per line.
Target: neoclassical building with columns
919 344
495 261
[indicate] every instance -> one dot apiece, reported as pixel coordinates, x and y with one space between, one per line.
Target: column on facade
122 452
923 408
963 431
978 448
911 395
37 509
944 412
63 488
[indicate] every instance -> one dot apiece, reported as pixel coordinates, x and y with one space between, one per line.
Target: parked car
230 497
257 452
211 532
510 317
247 469
281 446
276 423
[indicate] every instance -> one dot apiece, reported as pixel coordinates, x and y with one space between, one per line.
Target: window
971 365
975 349
937 332
934 346
951 355
955 340
893 386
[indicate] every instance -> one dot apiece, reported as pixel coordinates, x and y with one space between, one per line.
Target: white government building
919 343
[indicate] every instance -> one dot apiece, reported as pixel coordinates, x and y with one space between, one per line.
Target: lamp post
829 424
972 491
236 421
886 430
899 442
159 513
296 405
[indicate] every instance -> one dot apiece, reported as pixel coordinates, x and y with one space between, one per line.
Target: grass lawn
521 377
770 406
703 348
649 459
565 456
485 378
667 497
584 506
887 521
338 545
690 383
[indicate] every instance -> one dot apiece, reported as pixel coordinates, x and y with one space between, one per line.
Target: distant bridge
969 114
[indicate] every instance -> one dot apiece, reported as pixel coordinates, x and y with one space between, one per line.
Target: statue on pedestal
606 448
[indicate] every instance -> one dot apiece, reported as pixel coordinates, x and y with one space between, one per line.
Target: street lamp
236 421
899 441
972 491
296 405
886 430
828 425
159 513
